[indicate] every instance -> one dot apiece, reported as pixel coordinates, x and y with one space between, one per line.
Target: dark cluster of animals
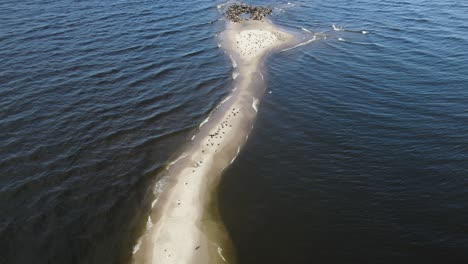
255 42
238 12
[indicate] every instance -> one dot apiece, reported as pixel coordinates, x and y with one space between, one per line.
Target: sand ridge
182 227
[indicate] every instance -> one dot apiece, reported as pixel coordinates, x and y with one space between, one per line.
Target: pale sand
184 226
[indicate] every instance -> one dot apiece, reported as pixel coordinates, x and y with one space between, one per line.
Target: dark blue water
95 96
359 153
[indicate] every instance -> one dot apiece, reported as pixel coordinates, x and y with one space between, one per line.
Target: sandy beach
184 225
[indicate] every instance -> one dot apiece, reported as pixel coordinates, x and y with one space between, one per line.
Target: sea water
358 153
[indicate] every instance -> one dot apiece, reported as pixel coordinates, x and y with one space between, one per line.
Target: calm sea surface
359 153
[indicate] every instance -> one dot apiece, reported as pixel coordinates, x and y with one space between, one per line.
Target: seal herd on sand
235 12
250 43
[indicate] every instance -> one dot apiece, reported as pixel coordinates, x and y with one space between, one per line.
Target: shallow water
358 153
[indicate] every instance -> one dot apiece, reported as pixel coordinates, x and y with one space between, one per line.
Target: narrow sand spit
184 226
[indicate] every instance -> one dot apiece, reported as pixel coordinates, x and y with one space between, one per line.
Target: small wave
176 160
366 44
255 104
357 31
155 201
137 246
341 39
320 35
301 44
159 186
233 159
149 223
337 28
220 253
204 121
227 98
234 63
158 189
284 7
192 53
306 30
222 5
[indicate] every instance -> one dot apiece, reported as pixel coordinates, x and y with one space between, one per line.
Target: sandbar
184 225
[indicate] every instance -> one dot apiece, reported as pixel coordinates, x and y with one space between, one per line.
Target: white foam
159 186
204 121
233 61
234 75
225 99
261 75
183 155
306 30
220 253
137 246
233 159
341 39
193 137
254 104
337 28
149 223
155 201
158 189
301 44
365 32
220 6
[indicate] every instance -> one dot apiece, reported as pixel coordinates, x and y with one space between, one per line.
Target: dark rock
240 12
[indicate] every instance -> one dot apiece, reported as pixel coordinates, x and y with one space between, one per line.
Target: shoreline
184 224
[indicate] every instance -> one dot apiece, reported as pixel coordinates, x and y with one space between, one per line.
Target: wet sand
184 225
